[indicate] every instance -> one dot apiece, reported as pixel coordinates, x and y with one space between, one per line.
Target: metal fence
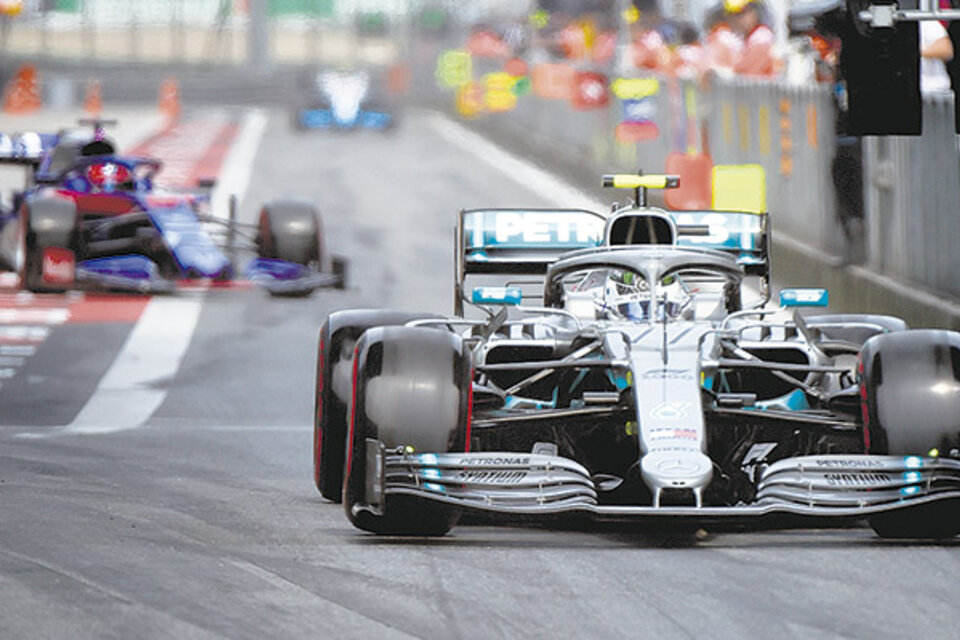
912 190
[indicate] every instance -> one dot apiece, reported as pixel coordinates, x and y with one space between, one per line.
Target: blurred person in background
723 47
690 56
936 50
758 57
649 48
827 59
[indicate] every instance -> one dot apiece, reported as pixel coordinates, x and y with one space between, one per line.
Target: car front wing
804 491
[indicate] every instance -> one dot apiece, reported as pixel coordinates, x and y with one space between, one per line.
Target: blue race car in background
92 219
344 100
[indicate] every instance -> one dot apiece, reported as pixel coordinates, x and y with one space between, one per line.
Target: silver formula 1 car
630 368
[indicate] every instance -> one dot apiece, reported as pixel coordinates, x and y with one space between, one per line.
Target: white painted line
34 316
23 334
235 174
21 350
543 183
132 389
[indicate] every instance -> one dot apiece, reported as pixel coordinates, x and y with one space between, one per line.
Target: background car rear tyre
47 223
335 352
296 121
290 230
411 389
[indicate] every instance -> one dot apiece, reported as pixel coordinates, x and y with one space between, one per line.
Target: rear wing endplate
25 149
744 234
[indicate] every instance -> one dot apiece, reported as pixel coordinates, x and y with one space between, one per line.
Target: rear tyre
290 230
48 244
296 120
335 355
411 389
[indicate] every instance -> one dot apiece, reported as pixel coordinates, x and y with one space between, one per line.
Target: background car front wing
282 277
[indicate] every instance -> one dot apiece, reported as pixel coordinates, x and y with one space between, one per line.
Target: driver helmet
676 300
625 296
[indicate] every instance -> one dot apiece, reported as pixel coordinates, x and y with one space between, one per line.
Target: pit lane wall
894 255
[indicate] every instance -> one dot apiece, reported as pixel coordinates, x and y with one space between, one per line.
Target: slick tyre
412 390
932 521
335 354
290 230
910 394
910 390
48 244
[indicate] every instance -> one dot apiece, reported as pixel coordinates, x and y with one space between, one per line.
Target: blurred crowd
734 37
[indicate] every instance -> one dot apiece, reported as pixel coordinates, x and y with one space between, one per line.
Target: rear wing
26 149
744 234
509 242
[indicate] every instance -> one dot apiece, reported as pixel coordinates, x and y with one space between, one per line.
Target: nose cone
204 262
678 469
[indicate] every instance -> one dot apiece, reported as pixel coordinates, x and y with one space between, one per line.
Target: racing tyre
411 389
931 521
335 354
910 394
296 122
48 244
290 230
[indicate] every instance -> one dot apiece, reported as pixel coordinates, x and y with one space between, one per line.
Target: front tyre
48 244
910 392
933 521
412 389
335 353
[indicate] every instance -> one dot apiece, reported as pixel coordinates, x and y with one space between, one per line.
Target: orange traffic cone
93 102
22 93
169 99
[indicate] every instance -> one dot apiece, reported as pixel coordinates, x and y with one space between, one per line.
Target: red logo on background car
59 266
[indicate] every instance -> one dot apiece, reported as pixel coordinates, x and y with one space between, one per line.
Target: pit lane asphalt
204 523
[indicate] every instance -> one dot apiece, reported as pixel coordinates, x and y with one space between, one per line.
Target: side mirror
793 298
497 295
